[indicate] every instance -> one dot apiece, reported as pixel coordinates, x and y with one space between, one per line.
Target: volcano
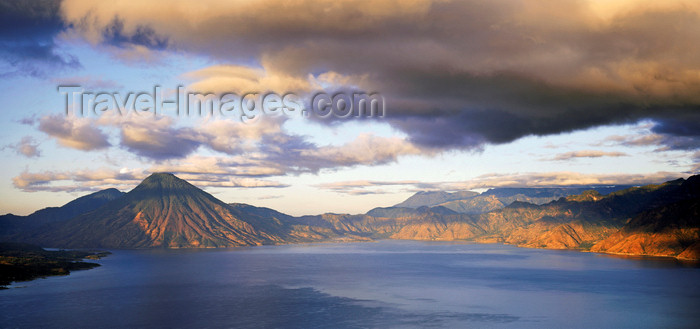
162 211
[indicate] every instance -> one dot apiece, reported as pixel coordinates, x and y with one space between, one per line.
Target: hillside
12 224
672 230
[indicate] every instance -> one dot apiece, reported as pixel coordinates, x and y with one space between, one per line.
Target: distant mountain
11 224
550 192
477 205
433 198
400 212
575 222
393 212
469 202
165 211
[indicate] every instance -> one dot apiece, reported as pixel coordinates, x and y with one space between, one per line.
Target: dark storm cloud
456 74
687 125
27 33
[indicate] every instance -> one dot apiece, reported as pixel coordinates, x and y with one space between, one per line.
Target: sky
474 95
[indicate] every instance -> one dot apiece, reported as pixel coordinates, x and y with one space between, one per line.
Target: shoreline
21 262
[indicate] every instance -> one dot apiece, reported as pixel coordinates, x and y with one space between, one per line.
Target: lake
386 284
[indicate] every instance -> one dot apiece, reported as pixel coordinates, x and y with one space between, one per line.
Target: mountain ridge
10 223
470 202
165 211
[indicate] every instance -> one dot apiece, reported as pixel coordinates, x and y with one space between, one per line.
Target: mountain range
165 211
470 202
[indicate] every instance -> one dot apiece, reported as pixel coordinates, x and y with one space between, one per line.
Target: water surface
397 284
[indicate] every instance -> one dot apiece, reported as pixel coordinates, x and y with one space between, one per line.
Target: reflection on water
399 284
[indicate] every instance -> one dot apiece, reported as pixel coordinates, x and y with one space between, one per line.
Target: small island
24 262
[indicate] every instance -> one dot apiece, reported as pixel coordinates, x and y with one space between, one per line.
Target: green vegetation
24 262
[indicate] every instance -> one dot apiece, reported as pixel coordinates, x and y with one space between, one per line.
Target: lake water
387 284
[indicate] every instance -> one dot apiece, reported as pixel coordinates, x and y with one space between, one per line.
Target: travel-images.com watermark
246 107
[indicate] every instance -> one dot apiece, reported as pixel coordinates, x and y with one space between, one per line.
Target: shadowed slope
669 230
11 224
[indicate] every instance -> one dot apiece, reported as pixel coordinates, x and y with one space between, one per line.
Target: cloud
125 179
72 132
695 169
366 149
220 165
27 146
92 83
114 33
236 137
28 30
159 138
556 179
76 181
29 121
30 182
455 74
365 187
244 152
242 79
269 150
363 183
663 142
269 197
587 154
669 134
155 138
246 182
262 147
377 187
493 180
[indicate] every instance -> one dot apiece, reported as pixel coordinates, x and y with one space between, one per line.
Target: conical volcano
162 211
